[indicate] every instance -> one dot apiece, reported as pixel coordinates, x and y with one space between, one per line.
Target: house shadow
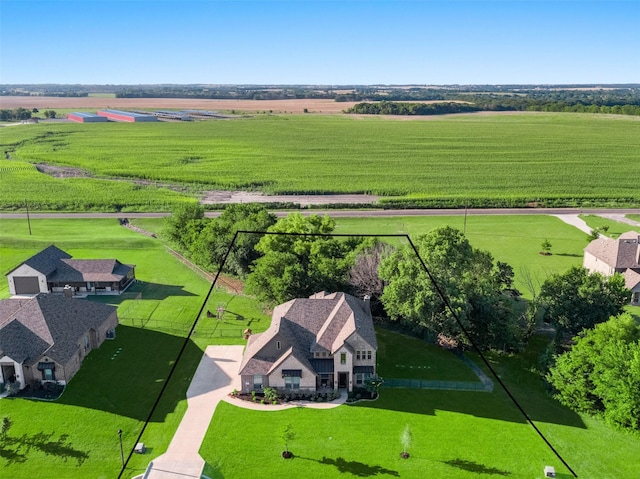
16 449
151 291
495 405
354 468
125 376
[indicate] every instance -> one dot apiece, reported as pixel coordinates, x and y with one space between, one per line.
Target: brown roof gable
619 254
322 322
57 322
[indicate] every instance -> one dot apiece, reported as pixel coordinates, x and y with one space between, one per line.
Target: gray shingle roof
59 267
57 322
47 260
620 254
322 322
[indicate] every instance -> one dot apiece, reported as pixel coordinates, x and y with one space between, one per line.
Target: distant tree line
615 99
403 108
17 114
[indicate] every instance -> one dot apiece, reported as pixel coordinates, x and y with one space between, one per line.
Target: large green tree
478 290
577 299
601 372
297 264
184 223
209 246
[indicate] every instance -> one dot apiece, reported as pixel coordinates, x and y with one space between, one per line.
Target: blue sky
309 42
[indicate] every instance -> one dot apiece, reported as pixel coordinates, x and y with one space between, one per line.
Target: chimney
367 304
67 291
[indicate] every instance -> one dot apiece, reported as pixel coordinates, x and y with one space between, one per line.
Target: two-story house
323 342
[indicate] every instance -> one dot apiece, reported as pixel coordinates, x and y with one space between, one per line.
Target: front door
343 380
8 373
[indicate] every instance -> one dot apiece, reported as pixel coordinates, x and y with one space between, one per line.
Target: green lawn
548 158
515 240
634 217
414 359
77 435
616 228
456 434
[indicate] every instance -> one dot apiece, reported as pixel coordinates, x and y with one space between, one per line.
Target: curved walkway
215 377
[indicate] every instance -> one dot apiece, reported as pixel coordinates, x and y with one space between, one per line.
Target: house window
48 374
86 343
368 355
635 298
358 355
278 345
359 379
257 381
343 358
324 355
292 382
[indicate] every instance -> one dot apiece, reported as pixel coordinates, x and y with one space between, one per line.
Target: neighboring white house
608 256
323 342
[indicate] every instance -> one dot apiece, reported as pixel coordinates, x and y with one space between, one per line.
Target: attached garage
26 284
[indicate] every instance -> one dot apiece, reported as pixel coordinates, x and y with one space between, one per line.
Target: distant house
50 270
326 341
608 256
46 337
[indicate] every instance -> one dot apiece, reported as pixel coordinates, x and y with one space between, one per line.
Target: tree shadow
475 467
45 443
354 468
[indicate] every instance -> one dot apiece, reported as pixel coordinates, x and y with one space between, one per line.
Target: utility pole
121 450
28 219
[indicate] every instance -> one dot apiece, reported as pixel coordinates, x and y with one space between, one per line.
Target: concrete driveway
215 378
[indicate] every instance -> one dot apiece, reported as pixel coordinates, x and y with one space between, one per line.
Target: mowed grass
455 434
511 158
76 436
515 240
616 228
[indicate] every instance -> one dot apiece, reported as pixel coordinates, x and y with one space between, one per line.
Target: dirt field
92 103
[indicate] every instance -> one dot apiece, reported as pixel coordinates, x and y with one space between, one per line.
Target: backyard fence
181 328
443 385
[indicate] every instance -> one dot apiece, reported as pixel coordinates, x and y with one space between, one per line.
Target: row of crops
485 160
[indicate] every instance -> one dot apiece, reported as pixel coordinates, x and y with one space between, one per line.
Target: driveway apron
216 376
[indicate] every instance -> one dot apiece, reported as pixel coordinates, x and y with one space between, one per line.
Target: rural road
617 213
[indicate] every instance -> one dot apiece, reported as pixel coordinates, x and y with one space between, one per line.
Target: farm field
502 160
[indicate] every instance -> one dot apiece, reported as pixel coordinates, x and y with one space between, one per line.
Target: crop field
501 160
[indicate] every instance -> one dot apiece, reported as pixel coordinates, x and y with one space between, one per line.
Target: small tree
287 435
372 384
546 247
406 438
594 235
6 425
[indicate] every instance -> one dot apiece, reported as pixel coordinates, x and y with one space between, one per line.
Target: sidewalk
216 376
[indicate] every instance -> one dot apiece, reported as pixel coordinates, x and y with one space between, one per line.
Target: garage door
26 284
